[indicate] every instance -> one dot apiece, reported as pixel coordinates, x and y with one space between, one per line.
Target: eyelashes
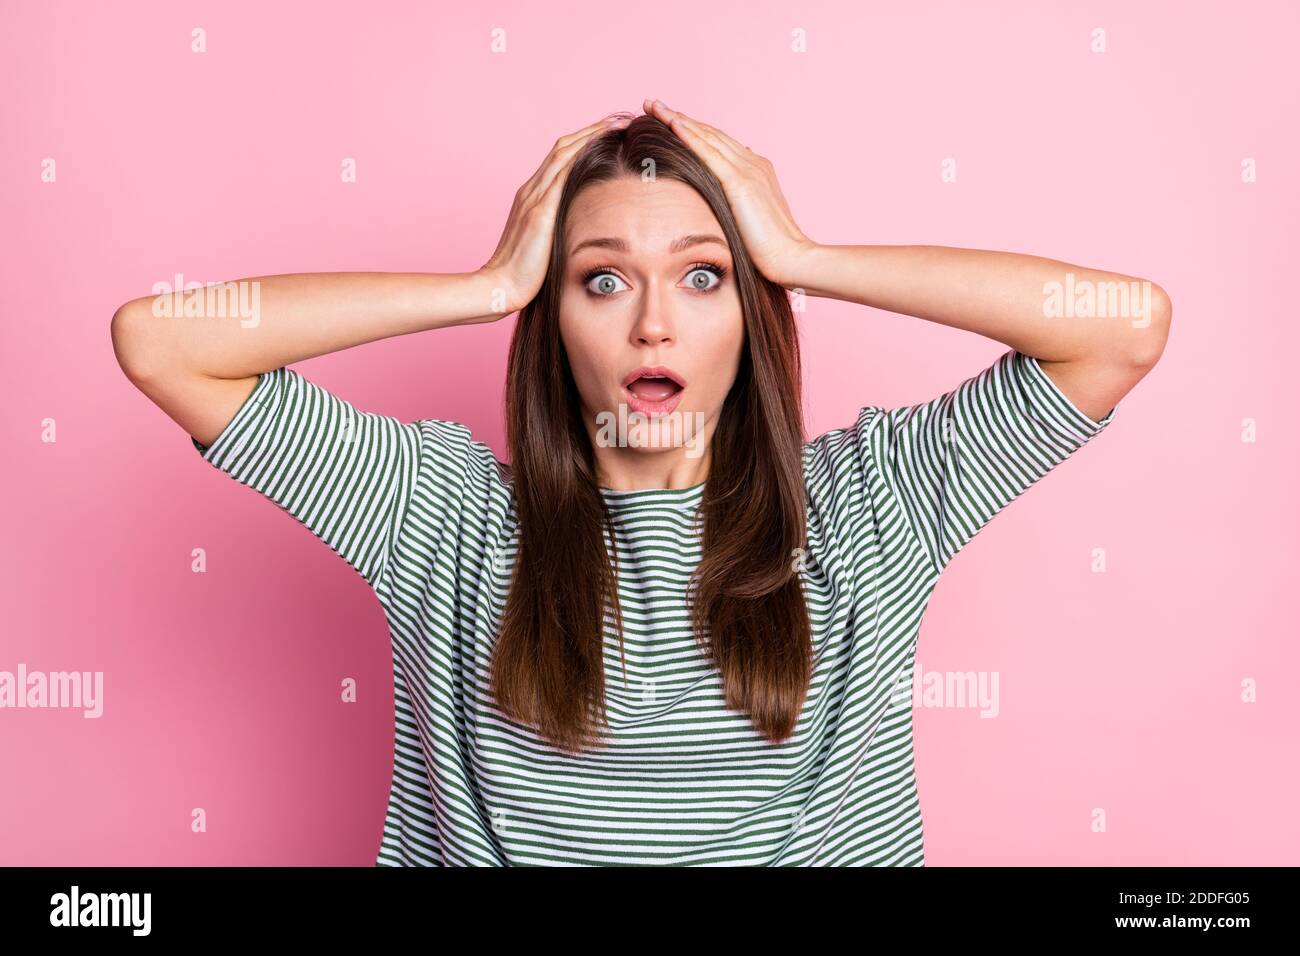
715 268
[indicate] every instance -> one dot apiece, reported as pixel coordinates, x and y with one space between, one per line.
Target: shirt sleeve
954 462
345 474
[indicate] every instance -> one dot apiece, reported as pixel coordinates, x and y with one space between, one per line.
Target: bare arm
1008 296
200 367
199 363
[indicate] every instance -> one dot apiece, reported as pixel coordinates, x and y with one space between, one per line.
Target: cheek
585 348
721 354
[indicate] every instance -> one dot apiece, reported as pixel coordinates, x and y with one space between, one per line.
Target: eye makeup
716 268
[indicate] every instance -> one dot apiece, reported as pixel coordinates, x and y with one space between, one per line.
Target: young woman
636 643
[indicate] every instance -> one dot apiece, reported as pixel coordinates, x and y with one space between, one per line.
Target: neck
631 469
670 453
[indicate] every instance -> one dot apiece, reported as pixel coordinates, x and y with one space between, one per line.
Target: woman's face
652 325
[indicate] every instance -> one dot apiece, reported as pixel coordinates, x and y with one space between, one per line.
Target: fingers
607 122
696 132
562 153
709 149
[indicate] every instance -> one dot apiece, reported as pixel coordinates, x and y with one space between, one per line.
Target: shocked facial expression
650 316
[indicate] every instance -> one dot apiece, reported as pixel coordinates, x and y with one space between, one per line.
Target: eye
701 273
602 282
605 282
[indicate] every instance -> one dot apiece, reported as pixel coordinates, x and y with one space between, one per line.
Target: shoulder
456 465
843 451
839 469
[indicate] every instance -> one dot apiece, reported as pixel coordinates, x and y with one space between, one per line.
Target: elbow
129 330
1149 338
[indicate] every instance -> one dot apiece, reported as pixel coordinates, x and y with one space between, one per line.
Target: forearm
1013 298
259 324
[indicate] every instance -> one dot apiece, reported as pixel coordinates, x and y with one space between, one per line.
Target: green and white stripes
345 474
424 513
956 461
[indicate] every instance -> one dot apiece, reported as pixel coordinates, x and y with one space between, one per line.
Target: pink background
1118 691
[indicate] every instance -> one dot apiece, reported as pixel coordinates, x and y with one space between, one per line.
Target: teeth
658 380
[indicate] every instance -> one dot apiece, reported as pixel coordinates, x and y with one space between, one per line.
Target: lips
653 389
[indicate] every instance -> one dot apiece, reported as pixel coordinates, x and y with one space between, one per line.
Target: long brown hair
748 608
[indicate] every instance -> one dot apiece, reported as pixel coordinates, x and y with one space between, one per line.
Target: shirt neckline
676 498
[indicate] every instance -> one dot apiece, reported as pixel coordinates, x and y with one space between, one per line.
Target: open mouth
653 390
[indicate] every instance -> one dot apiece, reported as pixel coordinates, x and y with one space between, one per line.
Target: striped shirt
425 514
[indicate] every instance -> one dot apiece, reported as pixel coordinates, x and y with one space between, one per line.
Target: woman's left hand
772 238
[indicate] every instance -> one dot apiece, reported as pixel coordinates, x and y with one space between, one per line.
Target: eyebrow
677 245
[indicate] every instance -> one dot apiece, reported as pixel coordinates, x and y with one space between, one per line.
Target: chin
651 433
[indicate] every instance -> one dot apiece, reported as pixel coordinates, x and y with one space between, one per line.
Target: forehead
647 215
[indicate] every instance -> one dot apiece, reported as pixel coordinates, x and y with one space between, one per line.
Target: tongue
654 389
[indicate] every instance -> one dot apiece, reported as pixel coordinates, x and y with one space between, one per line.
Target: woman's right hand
518 267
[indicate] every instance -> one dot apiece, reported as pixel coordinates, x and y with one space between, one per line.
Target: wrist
799 266
497 293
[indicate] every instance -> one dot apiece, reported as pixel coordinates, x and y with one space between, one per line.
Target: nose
654 324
